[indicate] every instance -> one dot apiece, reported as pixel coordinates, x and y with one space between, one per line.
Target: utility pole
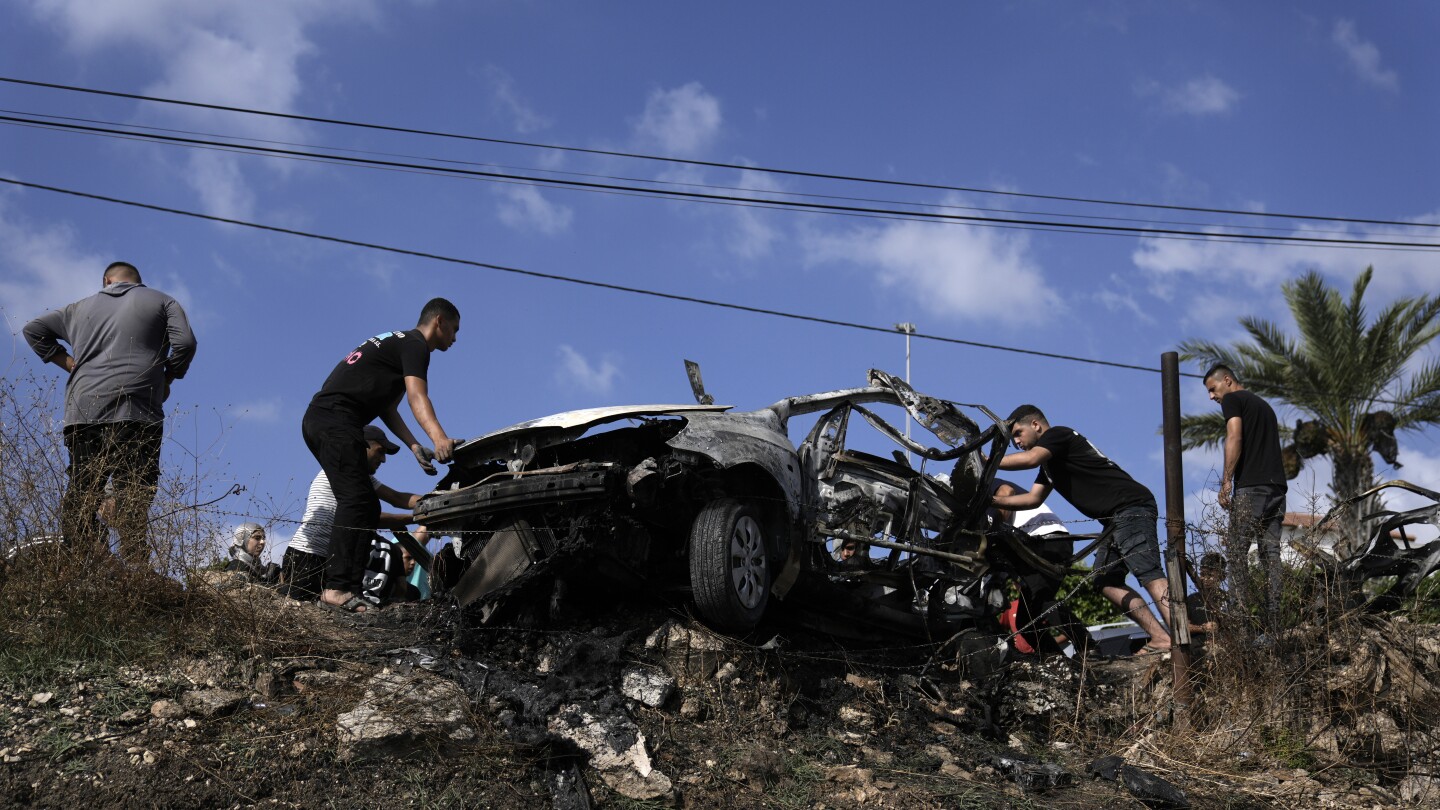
1175 534
906 329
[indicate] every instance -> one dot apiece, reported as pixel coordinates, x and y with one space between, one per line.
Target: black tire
730 564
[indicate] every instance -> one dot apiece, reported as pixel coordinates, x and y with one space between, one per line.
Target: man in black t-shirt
365 385
1096 486
1252 487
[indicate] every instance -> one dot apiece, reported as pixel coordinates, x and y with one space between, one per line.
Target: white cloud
577 372
948 270
229 52
682 121
507 99
524 208
265 411
45 267
1363 56
1205 95
753 236
1221 265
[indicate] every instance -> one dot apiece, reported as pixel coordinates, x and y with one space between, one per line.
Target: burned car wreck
725 507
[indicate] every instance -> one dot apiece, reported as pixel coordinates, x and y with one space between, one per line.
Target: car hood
566 426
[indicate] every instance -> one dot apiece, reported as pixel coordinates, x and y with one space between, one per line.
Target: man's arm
1232 457
1005 491
417 392
182 341
44 335
1028 500
391 417
390 520
1025 460
397 499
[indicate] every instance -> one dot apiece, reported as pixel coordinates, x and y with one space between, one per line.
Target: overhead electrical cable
738 203
705 163
695 195
629 179
605 285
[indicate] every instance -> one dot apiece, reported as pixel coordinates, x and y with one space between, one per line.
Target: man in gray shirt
128 342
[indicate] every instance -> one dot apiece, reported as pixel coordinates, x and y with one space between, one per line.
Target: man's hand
425 457
1224 495
445 450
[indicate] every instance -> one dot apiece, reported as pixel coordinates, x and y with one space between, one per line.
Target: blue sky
1324 108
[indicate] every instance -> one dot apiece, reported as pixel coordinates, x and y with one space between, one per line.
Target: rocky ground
633 705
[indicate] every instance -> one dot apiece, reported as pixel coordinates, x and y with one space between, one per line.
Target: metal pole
1175 531
908 329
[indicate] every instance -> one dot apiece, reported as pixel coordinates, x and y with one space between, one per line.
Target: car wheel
729 563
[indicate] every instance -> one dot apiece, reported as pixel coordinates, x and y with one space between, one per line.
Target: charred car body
727 506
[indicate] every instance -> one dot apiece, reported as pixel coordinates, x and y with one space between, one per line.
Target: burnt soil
783 718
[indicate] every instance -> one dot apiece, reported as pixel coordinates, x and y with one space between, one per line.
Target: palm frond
1202 430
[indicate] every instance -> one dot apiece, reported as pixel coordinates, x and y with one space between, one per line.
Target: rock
863 683
850 775
1032 775
167 710
692 707
150 757
129 717
852 716
691 656
646 686
617 751
1419 790
403 716
191 722
267 685
726 672
212 702
41 698
1151 790
885 758
312 679
68 711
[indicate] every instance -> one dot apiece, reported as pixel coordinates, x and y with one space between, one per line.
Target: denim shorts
1134 546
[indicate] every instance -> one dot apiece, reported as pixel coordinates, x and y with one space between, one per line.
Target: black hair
438 306
1025 412
1221 368
1212 559
122 271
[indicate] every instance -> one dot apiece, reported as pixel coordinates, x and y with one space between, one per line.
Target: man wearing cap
367 384
309 550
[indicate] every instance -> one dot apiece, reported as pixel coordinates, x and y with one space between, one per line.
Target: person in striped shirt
309 550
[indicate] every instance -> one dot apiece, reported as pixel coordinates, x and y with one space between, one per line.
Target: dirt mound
635 706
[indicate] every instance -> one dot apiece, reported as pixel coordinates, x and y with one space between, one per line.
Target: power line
620 287
572 279
625 178
735 203
705 163
694 195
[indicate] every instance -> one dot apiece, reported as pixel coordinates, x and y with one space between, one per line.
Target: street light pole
906 329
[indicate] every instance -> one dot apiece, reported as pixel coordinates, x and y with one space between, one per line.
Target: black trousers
126 454
303 574
338 443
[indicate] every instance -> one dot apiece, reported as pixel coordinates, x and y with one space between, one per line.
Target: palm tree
1350 380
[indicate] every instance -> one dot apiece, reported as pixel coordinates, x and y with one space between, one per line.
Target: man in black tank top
1253 488
1097 487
